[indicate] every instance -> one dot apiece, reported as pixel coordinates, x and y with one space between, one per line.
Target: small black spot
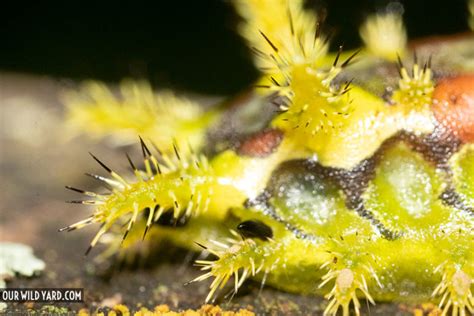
255 228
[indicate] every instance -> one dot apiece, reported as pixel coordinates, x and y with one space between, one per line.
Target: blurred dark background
189 45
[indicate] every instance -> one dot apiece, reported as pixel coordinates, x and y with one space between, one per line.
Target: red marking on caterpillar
261 144
453 106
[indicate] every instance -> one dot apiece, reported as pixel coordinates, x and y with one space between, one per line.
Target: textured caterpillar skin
335 237
343 191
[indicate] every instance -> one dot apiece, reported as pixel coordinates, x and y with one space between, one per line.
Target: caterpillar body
342 191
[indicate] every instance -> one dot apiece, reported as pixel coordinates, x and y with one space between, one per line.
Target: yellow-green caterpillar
342 190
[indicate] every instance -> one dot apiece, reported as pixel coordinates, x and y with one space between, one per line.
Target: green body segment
405 192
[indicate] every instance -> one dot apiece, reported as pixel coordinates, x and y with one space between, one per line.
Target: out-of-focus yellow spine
162 117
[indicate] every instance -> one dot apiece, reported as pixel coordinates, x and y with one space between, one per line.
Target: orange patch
453 106
261 144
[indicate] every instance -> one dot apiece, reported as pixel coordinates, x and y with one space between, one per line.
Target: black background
186 44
